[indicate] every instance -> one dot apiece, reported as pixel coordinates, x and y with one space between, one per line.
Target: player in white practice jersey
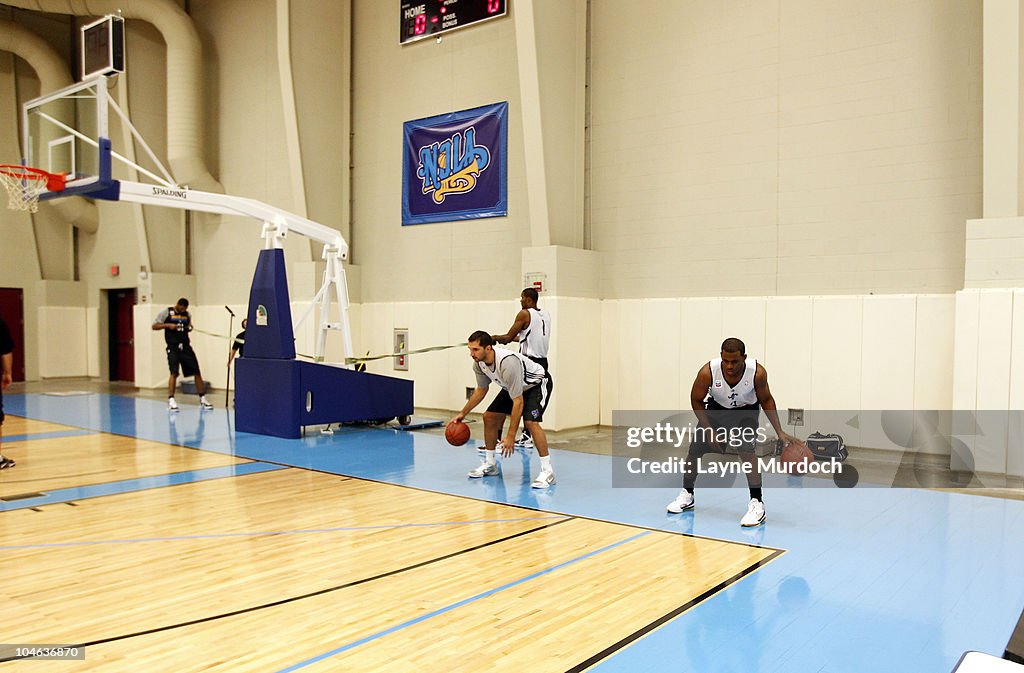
523 388
727 396
532 329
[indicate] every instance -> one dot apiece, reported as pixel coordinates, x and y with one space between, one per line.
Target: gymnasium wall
247 147
784 148
816 130
18 259
841 352
866 354
442 377
798 172
822 352
251 146
841 140
392 84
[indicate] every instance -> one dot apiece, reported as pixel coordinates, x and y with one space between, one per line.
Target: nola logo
453 165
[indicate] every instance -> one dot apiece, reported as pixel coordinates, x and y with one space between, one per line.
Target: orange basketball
796 458
457 433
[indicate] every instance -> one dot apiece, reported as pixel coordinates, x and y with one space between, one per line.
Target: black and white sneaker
755 515
6 463
524 441
682 503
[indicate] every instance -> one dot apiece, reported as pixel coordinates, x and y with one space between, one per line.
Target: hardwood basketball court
286 569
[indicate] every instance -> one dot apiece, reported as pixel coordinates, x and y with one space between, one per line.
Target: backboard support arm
277 223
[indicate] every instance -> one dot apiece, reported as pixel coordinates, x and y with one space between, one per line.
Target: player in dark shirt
238 345
176 322
6 367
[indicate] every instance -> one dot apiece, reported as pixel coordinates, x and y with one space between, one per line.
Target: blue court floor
873 579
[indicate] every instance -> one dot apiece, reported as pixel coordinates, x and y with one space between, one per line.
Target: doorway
120 305
12 310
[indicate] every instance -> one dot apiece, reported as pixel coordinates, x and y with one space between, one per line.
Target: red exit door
12 310
121 305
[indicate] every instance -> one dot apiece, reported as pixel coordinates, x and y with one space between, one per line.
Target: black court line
311 594
421 489
357 430
583 517
640 633
1015 647
20 496
346 477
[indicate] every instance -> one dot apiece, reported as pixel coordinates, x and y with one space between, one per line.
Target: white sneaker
172 405
755 515
204 404
484 469
544 479
683 502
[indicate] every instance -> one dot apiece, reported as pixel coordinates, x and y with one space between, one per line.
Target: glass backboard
66 132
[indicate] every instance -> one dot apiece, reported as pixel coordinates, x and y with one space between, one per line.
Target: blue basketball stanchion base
279 397
275 394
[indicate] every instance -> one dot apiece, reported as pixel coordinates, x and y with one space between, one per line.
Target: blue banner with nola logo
454 166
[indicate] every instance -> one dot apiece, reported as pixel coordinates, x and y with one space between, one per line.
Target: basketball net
25 184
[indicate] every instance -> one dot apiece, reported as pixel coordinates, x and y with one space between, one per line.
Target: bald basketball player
532 329
728 394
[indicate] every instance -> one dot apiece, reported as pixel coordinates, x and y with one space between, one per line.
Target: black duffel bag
827 447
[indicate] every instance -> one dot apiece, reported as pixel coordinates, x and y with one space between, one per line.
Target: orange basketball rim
25 184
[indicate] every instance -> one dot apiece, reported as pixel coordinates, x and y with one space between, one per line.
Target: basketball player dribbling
735 388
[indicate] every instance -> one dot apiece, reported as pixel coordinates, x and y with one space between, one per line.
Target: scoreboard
429 18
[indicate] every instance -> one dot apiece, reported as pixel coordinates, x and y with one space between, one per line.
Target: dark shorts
548 383
740 425
184 356
533 403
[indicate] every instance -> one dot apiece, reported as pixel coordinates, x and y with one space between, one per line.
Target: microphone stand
231 343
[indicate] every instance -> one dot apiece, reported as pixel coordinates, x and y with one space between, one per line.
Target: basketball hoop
25 184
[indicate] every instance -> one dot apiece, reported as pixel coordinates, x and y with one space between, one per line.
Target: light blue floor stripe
438 524
141 484
10 439
459 604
